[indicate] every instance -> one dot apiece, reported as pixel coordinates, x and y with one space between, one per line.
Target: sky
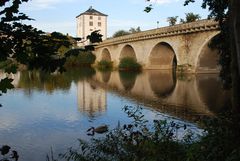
60 15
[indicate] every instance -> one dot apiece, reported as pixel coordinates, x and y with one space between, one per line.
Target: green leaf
148 8
6 84
11 69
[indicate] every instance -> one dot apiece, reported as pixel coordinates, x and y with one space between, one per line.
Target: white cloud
141 2
44 4
163 1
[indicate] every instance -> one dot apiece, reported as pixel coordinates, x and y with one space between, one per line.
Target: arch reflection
105 76
162 82
211 92
128 79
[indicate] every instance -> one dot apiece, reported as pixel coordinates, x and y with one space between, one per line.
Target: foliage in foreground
135 141
7 154
23 44
221 142
162 140
129 63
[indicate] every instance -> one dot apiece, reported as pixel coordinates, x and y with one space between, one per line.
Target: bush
129 63
79 58
133 142
5 64
162 140
104 65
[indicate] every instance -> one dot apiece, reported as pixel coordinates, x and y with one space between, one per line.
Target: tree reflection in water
42 81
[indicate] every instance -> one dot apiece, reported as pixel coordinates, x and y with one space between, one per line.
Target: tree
190 17
24 44
120 33
172 20
134 30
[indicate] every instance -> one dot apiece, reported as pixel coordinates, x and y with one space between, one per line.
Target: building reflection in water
91 99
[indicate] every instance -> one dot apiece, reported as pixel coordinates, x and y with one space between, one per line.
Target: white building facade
90 21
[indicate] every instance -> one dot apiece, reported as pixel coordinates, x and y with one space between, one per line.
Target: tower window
99 24
99 17
90 23
91 17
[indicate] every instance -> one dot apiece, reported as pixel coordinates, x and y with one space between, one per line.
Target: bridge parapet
197 26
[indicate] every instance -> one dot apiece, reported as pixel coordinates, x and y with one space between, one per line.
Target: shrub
133 142
143 140
6 64
79 58
104 65
129 63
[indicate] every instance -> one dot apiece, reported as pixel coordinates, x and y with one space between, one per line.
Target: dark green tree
190 17
172 20
134 30
24 44
120 33
124 32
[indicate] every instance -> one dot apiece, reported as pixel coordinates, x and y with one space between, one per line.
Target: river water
52 111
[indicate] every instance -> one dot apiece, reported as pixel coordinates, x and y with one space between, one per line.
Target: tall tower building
90 21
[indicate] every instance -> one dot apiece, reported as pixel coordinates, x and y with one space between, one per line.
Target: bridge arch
207 58
106 55
128 51
162 56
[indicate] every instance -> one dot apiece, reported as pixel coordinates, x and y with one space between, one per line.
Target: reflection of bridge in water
185 96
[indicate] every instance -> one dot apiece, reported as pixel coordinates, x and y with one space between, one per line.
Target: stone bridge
164 48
